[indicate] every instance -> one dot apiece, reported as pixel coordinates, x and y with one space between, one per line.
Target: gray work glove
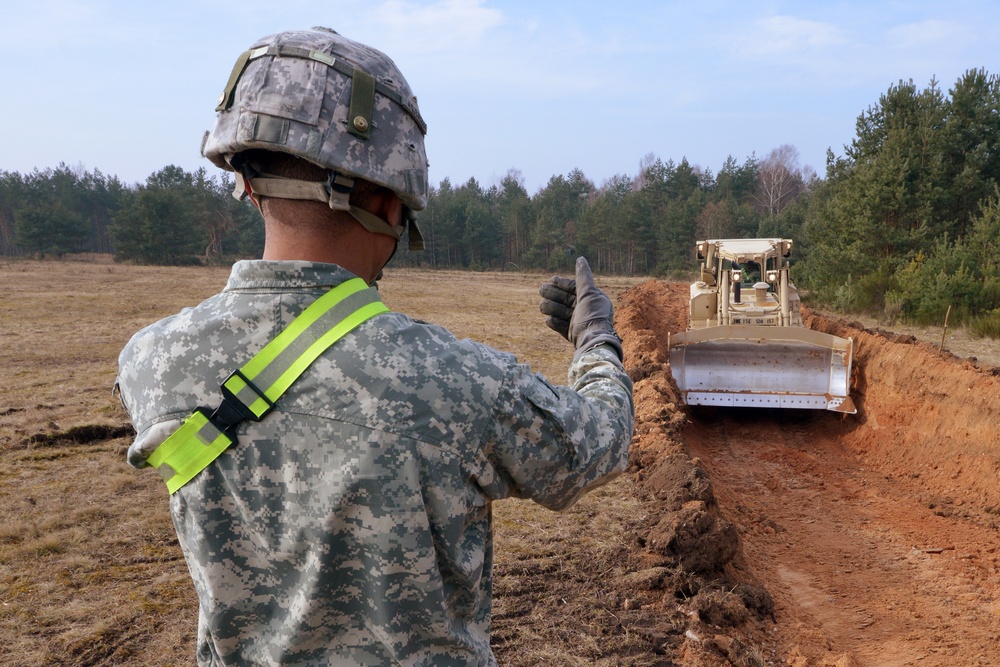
579 311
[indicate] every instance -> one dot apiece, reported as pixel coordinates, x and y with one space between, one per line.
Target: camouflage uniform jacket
351 526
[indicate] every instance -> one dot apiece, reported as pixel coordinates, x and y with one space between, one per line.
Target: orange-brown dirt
821 539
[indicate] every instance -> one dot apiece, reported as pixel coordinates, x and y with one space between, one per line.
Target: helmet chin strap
378 276
335 191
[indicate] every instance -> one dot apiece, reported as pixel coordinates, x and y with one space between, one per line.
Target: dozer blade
762 366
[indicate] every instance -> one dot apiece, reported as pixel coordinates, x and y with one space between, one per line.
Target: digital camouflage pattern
287 102
352 525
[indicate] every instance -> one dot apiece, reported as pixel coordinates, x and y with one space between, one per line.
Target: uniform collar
260 273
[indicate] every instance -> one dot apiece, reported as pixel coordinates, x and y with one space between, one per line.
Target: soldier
335 507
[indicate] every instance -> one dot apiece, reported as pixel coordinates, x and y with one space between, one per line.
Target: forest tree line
904 224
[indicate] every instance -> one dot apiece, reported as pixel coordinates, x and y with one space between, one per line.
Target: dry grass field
90 571
91 574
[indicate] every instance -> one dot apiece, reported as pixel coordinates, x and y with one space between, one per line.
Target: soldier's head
311 115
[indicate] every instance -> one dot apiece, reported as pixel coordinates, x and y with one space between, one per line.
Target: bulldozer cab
749 272
744 281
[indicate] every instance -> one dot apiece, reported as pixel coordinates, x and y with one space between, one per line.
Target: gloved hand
558 300
579 311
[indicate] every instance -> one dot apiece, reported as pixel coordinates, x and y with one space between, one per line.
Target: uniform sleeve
552 444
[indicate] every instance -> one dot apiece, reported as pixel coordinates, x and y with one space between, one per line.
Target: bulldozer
745 345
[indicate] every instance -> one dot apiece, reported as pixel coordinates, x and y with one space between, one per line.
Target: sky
543 87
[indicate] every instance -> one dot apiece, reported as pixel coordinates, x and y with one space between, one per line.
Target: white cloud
467 48
926 33
787 36
446 25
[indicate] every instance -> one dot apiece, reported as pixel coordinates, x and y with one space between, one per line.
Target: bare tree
714 222
645 163
779 180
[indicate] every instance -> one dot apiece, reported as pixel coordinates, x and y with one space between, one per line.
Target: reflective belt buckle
241 399
207 433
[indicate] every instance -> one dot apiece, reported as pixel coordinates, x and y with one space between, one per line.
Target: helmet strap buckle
339 188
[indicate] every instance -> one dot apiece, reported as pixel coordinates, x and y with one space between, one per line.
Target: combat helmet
331 101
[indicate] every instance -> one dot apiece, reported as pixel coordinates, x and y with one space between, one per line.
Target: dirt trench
866 540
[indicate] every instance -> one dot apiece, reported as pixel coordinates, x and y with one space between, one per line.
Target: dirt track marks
852 560
877 534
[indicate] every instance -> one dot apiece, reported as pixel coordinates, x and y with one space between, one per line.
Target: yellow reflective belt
251 392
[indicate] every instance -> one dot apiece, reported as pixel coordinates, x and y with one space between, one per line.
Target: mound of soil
809 538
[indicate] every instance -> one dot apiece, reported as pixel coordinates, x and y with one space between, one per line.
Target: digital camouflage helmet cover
331 101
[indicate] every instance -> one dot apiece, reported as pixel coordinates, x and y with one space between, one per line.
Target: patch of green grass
986 325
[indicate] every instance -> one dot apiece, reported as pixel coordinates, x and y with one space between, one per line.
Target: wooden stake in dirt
945 332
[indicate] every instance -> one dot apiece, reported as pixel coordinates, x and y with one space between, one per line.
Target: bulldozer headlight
736 276
772 276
